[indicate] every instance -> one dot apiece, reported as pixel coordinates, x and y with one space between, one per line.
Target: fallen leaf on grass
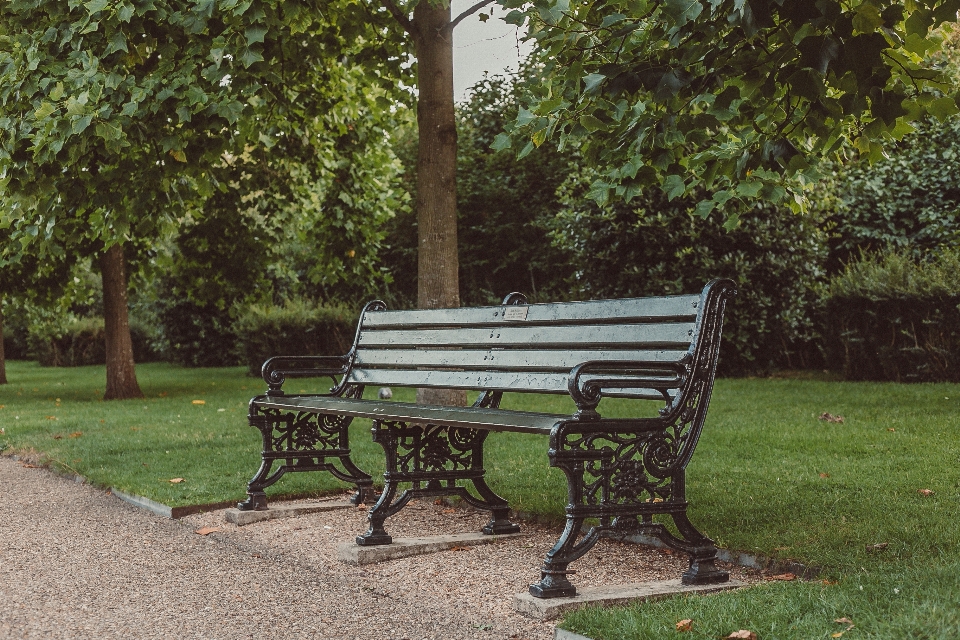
199 402
76 434
786 577
163 394
925 492
51 417
685 625
57 437
205 531
880 546
743 634
845 620
175 480
2 430
890 429
829 417
824 475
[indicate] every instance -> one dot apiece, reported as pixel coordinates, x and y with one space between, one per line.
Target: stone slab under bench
611 595
352 553
241 518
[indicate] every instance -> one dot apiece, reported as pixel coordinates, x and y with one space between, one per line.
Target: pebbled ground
76 562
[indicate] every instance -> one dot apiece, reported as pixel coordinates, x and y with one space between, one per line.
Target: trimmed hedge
79 342
295 328
890 317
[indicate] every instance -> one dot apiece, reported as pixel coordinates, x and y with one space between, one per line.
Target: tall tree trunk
438 276
121 373
3 361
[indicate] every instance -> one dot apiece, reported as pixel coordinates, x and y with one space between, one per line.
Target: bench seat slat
620 311
545 360
518 381
674 335
495 419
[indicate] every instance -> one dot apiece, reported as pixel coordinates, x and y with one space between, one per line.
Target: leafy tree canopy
738 97
110 109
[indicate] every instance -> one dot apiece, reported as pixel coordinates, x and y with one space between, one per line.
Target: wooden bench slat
499 419
518 381
545 360
619 311
676 335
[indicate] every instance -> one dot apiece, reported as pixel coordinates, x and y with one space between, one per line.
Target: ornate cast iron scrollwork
434 461
303 441
624 472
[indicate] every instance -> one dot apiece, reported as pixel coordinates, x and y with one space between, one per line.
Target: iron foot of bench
500 524
704 571
256 501
553 585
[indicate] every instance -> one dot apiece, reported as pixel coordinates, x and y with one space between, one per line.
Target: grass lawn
768 477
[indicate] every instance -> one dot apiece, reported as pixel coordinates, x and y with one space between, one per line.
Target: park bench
621 472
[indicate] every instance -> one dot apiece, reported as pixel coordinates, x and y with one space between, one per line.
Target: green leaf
592 81
255 34
943 108
44 111
591 123
501 142
108 131
230 110
96 5
250 56
526 150
704 208
57 91
673 186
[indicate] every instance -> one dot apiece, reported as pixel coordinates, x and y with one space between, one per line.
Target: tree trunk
3 361
121 373
438 279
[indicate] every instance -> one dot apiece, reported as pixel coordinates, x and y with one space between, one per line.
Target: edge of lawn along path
742 559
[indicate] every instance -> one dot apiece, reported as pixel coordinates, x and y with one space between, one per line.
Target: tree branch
469 12
401 17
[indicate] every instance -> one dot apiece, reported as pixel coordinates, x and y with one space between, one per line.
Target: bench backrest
533 347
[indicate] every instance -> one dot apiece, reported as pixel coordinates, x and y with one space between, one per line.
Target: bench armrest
277 369
635 374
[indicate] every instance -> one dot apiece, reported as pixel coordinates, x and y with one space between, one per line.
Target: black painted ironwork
300 441
624 472
435 461
624 476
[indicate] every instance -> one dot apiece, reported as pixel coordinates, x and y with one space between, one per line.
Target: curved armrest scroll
637 374
277 369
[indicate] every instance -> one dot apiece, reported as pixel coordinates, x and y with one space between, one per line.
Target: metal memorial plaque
515 313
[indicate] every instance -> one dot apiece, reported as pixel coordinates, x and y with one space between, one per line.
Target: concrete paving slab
352 553
611 595
241 518
563 634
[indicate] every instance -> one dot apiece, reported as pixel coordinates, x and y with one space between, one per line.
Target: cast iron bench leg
302 442
433 460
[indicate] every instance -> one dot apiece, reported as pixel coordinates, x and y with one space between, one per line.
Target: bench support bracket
622 479
302 441
435 461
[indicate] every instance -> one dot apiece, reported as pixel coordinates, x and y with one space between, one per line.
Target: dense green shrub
76 342
295 328
892 317
909 201
653 246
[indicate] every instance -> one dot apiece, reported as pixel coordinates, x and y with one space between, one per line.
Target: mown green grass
768 477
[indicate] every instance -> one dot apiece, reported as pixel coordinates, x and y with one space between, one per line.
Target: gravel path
76 562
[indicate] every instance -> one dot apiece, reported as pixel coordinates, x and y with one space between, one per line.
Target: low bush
77 342
297 327
891 317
